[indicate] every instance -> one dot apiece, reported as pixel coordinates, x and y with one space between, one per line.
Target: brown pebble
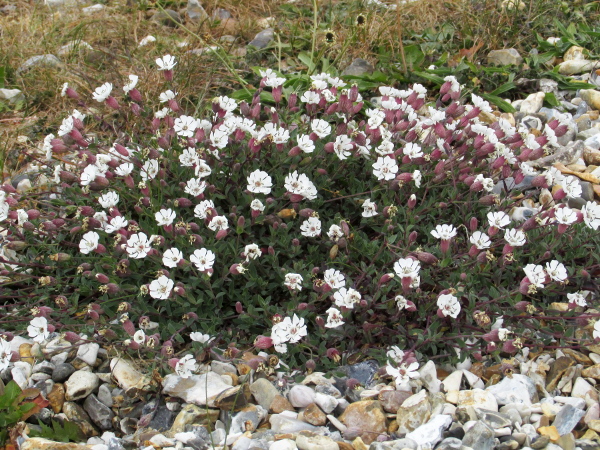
280 404
313 415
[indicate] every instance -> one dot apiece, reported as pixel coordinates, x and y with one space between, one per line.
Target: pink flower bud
102 278
239 308
112 102
129 327
221 234
263 342
236 269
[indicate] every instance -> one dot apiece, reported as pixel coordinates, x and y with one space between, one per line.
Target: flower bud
412 201
263 342
129 327
426 258
239 308
102 278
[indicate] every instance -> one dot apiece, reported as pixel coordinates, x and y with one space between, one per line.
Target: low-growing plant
13 409
302 224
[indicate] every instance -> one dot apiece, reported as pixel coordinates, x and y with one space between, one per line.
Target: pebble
48 60
262 39
504 57
80 384
358 67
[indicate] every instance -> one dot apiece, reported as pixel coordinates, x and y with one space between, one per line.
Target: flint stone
533 103
327 403
429 377
450 443
12 95
430 433
162 418
366 416
195 11
358 67
494 419
569 154
88 353
308 440
77 414
477 398
517 389
100 414
264 392
577 66
234 398
505 57
415 411
262 39
197 389
391 400
81 384
283 444
479 436
48 60
127 376
301 396
45 444
167 17
192 414
567 418
284 424
223 368
105 396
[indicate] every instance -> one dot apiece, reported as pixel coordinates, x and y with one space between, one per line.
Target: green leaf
500 103
429 76
503 88
2 76
305 59
550 98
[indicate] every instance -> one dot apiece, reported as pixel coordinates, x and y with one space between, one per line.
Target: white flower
444 232
369 208
293 281
38 329
124 169
108 200
321 128
527 169
515 238
103 92
449 305
480 240
385 168
218 223
161 288
578 298
536 275
139 337
133 80
202 169
66 126
172 257
186 366
401 302
5 354
556 271
219 138
572 187
165 217
395 355
335 232
167 62
259 182
342 145
138 245
194 187
498 219
203 259
149 170
346 297
185 126
407 267
386 147
311 227
565 216
306 144
227 103
481 103
334 278
403 373
252 251
300 185
162 113
197 336
296 329
334 318
417 178
88 175
166 96
188 157
201 208
591 214
412 150
256 205
146 41
311 98
553 176
116 223
89 242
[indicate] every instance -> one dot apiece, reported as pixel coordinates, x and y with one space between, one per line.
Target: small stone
453 381
233 399
39 61
100 414
128 377
308 440
77 414
56 397
480 436
167 17
505 57
494 419
363 372
550 431
45 444
391 400
567 418
477 398
533 103
366 416
313 415
81 384
581 388
429 377
591 97
301 396
430 433
264 392
197 389
566 442
574 53
516 389
195 11
577 66
192 414
327 403
591 156
262 39
280 404
88 353
414 412
358 67
283 444
284 424
13 96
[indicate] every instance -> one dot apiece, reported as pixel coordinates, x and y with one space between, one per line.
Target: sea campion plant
303 224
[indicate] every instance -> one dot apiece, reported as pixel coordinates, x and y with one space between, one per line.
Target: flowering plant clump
300 222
